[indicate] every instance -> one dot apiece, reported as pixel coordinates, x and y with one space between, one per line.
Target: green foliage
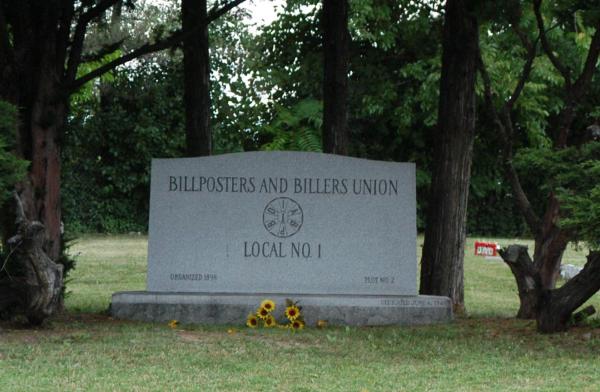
109 146
393 85
12 169
573 174
569 174
137 113
238 110
266 94
296 129
68 262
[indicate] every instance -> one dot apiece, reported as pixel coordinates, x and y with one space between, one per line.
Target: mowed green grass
85 350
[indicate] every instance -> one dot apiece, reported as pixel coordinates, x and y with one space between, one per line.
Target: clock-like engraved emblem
283 217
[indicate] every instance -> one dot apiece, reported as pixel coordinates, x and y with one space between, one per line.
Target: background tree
42 48
335 80
196 70
445 232
553 229
111 137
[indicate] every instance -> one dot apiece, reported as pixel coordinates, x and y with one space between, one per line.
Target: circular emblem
283 217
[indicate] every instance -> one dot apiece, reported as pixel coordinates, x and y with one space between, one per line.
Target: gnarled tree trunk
41 47
528 279
557 306
540 274
33 72
551 308
536 279
35 288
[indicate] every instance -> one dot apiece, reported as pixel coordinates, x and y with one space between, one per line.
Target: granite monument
337 234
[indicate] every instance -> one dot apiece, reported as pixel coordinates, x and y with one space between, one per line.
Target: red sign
486 249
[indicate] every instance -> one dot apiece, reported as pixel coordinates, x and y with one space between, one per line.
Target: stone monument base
226 308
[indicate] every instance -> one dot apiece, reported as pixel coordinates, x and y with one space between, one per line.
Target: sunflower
297 324
268 305
321 323
173 323
292 312
262 313
252 321
269 322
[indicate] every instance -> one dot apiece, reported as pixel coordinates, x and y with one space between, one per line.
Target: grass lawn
85 350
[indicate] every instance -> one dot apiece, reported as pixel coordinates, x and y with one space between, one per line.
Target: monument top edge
296 155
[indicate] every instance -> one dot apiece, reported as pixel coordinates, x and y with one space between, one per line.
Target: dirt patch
576 339
62 327
193 337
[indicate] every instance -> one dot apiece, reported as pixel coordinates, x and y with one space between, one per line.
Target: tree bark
550 244
528 279
445 233
42 111
557 306
36 61
36 290
551 308
539 275
41 193
196 70
41 46
336 40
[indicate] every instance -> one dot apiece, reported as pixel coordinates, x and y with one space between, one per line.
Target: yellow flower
268 305
297 324
262 313
269 321
321 323
252 321
292 312
173 323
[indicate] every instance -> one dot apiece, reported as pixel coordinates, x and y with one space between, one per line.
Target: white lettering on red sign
485 249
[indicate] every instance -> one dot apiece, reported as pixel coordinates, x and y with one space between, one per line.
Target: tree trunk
335 83
528 279
550 244
540 275
196 70
36 88
36 288
41 193
445 233
557 306
552 308
41 46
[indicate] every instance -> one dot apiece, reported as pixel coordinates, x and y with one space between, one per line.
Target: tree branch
5 47
561 303
172 40
505 128
527 67
564 71
575 92
79 35
489 100
64 29
585 78
103 51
